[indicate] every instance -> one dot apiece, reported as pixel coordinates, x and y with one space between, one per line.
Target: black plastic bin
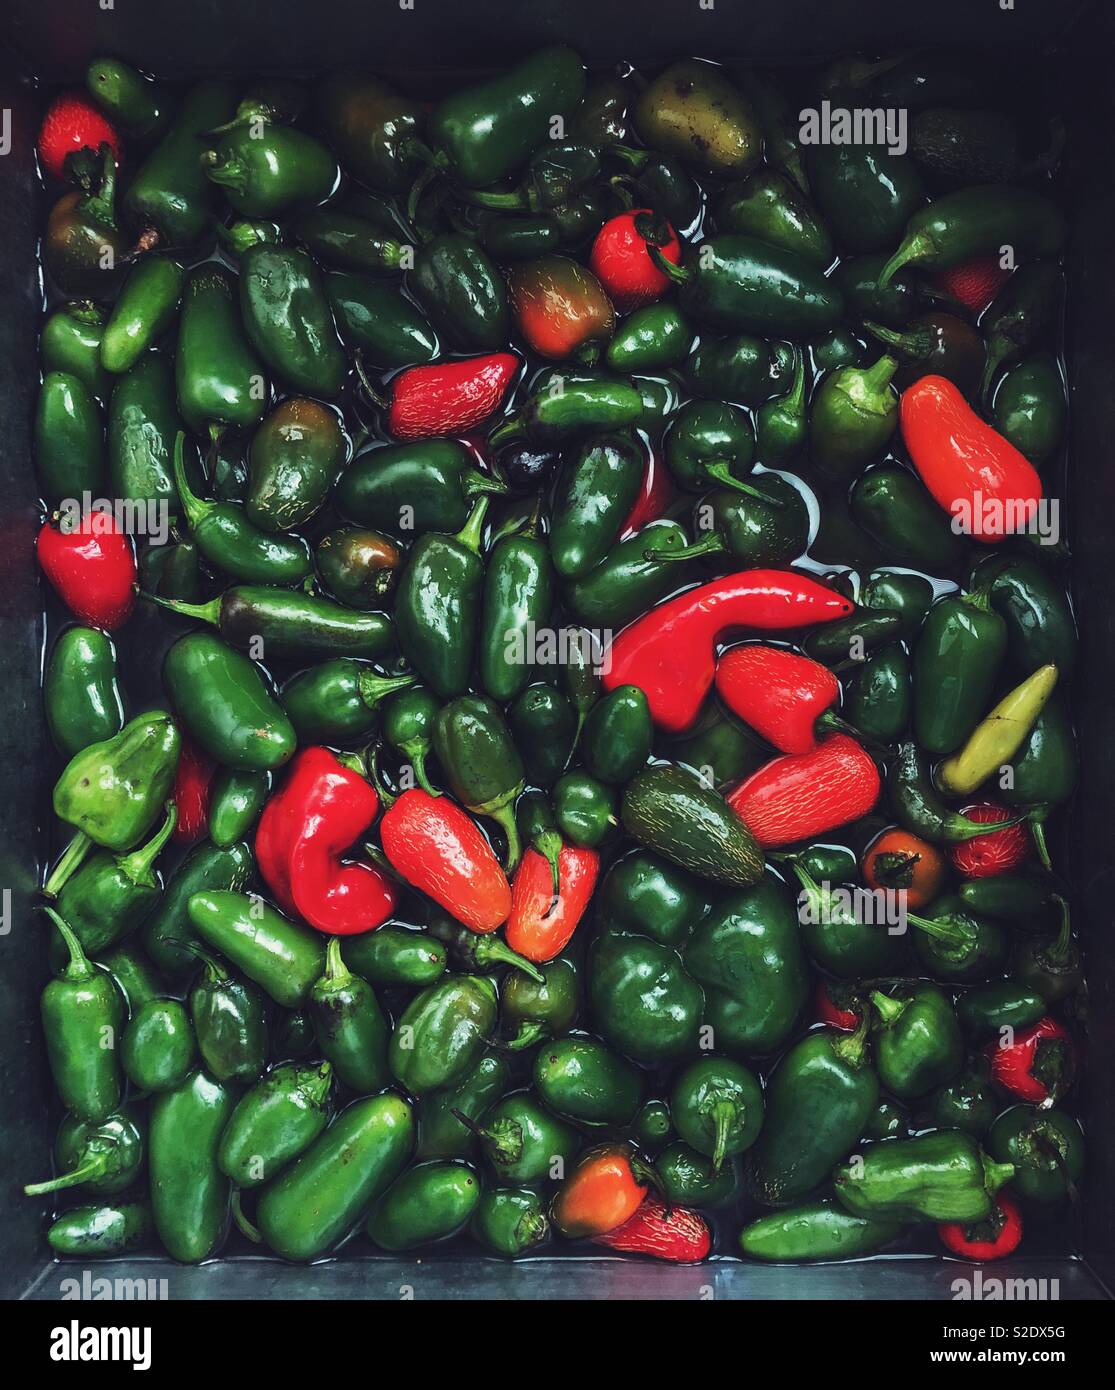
44 42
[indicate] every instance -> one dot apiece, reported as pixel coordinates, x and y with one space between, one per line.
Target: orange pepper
540 925
602 1192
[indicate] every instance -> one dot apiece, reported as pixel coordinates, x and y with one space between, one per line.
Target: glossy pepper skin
442 1032
327 1189
596 495
437 605
518 597
943 1176
322 808
113 791
220 380
606 1189
229 1021
80 1009
264 173
978 477
409 489
481 762
801 795
620 261
993 1239
449 397
274 1122
294 459
669 811
918 1045
737 967
462 291
682 632
717 1108
70 343
206 866
672 1233
816 1231
189 1193
81 690
84 246
92 569
780 694
287 318
1037 1065
69 439
107 1229
560 308
284 958
158 1049
144 310
368 124
429 1202
349 1025
542 922
956 660
485 132
818 1101
1047 1149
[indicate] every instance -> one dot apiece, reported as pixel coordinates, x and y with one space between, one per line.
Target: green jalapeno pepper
865 192
437 605
369 124
767 526
70 343
444 1116
969 1103
349 1024
226 705
956 660
943 1176
337 701
893 307
207 866
599 491
265 169
324 1193
544 726
894 508
287 318
738 368
917 806
1040 627
716 1107
1029 408
688 1178
275 1122
104 1156
984 1011
510 1221
284 958
818 1101
69 439
1050 966
476 953
463 293
143 424
410 489
394 956
220 380
651 338
523 1143
669 811
158 1048
229 1022
584 809
145 308
294 459
767 205
853 413
440 1035
629 579
838 938
408 726
1021 314
563 405
479 757
105 1230
540 1009
170 192
136 978
381 321
518 597
360 568
617 735
430 1202
235 801
720 750
81 690
816 1231
880 697
189 1193
781 424
583 1081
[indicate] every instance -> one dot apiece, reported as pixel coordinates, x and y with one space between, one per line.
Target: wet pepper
1038 1065
321 809
801 795
92 569
682 634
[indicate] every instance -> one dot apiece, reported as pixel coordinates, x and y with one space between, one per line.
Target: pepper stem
229 174
92 1168
416 750
1059 950
476 484
513 202
724 1113
528 1034
78 967
72 857
204 612
713 544
335 968
137 864
723 475
195 508
914 346
492 950
432 171
509 432
996 1174
913 250
243 1225
472 531
548 843
951 935
373 689
1036 820
852 1047
376 397
386 796
504 817
677 273
888 1009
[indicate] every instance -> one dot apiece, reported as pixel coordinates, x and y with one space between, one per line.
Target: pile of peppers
582 760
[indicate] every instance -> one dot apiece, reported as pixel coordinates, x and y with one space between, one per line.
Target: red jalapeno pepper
449 398
670 652
320 810
783 696
92 569
978 477
541 923
1038 1065
997 852
801 795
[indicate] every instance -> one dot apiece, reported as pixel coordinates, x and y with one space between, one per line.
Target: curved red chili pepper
677 1234
670 652
997 852
987 1240
192 783
778 692
800 795
438 849
449 397
621 262
655 495
541 925
1039 1064
974 473
92 569
832 1011
322 807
